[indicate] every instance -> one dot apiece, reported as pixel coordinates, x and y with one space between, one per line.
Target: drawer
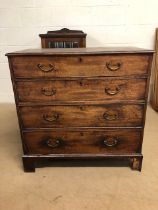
81 90
80 66
82 116
112 141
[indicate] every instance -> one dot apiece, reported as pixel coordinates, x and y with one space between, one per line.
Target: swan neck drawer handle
48 92
113 67
110 116
43 68
52 118
112 92
110 141
53 143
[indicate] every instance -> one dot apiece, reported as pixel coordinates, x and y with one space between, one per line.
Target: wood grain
80 142
81 51
82 116
82 89
81 66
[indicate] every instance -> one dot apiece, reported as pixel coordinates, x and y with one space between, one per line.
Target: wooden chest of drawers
81 103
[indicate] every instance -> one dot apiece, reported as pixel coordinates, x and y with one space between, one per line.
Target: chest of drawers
85 103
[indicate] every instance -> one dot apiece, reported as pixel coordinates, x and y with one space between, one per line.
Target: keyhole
80 60
82 108
81 83
81 134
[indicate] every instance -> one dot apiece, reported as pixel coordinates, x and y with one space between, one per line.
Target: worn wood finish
80 142
80 66
81 90
81 51
82 160
29 164
136 163
81 103
82 115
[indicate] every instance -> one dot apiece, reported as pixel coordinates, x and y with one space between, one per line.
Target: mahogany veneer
81 103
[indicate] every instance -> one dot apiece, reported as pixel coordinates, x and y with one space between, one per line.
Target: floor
75 188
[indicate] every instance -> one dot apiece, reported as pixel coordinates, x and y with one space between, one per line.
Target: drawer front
82 116
83 142
81 90
82 66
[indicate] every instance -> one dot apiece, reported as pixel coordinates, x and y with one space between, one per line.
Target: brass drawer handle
113 67
54 118
110 116
110 141
50 67
53 143
48 92
112 92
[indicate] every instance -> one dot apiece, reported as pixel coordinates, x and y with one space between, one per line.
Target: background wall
107 23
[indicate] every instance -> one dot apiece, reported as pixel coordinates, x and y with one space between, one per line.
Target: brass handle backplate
110 141
53 143
50 67
109 91
113 67
47 92
52 118
110 116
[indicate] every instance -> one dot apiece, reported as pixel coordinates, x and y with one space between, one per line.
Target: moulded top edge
80 51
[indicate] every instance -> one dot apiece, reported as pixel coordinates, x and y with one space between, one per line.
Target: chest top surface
80 51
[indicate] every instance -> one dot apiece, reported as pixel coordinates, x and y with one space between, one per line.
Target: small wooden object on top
64 38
